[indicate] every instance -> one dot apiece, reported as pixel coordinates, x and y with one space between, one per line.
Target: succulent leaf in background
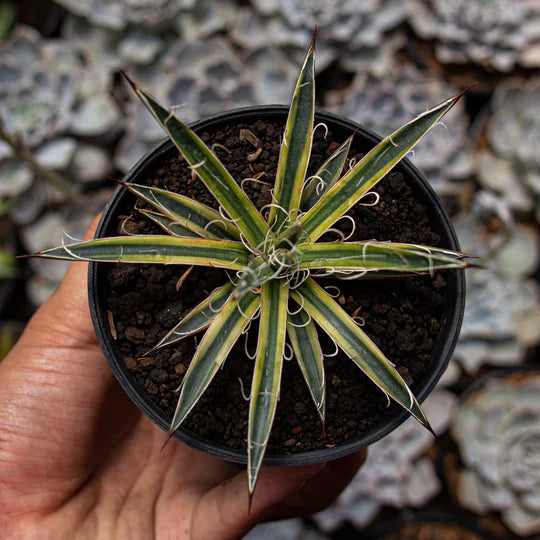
358 33
98 46
510 163
497 430
382 103
276 258
491 335
493 33
117 14
396 473
205 18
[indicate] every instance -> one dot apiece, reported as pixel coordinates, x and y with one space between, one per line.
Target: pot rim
446 343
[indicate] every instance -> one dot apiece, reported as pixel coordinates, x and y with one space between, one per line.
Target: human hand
78 460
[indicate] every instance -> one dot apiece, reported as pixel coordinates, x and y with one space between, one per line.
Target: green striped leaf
307 349
367 172
210 170
167 224
327 175
202 220
212 351
355 343
199 318
372 256
267 373
296 146
155 249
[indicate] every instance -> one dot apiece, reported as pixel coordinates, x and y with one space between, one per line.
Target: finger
224 511
321 489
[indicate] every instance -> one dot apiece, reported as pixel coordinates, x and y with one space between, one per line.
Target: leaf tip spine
427 425
314 38
128 80
167 439
464 91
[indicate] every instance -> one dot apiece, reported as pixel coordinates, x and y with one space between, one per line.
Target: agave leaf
307 349
372 256
267 373
218 340
167 224
197 217
199 318
296 146
210 170
367 172
357 345
155 249
327 175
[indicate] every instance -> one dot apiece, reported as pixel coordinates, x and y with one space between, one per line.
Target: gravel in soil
402 316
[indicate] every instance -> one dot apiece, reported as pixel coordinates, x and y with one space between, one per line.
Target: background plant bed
415 321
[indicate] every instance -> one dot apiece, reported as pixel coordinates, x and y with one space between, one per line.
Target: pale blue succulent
497 430
491 335
510 162
493 33
49 100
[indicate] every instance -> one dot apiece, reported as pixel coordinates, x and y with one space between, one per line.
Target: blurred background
69 128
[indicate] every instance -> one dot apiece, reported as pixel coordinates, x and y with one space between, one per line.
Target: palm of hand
78 459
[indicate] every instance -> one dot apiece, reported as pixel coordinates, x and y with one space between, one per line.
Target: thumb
223 512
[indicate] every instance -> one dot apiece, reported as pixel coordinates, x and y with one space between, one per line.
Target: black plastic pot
364 141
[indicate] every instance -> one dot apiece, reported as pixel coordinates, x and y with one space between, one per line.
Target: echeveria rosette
510 162
493 33
273 260
497 429
491 336
35 100
47 90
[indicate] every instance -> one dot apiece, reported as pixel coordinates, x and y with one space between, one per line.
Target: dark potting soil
402 316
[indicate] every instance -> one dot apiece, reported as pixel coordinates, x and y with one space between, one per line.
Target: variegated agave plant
276 259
